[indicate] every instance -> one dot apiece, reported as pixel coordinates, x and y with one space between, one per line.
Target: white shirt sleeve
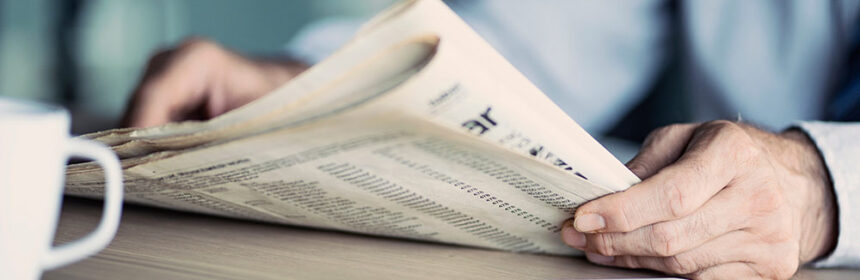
839 145
595 59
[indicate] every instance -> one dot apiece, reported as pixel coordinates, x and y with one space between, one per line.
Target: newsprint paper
414 129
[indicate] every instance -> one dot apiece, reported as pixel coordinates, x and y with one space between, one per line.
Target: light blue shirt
768 62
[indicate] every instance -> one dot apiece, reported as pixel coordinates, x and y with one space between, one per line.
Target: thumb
661 148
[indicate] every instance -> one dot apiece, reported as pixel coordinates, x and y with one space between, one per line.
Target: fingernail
589 222
571 237
600 259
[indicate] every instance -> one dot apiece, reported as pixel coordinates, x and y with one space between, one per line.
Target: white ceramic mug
34 148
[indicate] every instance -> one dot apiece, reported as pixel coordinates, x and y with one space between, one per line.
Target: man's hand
717 200
199 80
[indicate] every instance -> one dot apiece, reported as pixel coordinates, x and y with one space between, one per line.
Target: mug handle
103 234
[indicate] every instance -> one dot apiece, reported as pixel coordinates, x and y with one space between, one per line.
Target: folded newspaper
416 129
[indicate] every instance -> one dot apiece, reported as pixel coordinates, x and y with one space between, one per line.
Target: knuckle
201 49
723 127
674 128
789 261
663 241
676 199
706 225
619 213
782 267
784 274
624 224
679 265
712 273
786 269
731 131
604 244
765 200
742 144
789 265
628 261
657 133
189 52
663 132
779 235
745 149
778 228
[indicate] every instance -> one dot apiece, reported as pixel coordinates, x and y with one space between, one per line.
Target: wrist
819 223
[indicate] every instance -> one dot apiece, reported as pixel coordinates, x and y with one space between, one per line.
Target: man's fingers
174 94
152 104
146 115
724 213
672 193
710 255
715 152
735 270
661 148
175 85
149 106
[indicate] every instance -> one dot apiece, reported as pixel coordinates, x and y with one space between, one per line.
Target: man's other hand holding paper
717 200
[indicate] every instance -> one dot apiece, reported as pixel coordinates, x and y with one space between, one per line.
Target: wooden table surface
162 244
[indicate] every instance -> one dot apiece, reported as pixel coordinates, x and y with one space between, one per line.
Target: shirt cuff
839 145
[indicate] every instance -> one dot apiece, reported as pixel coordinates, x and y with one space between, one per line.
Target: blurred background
88 54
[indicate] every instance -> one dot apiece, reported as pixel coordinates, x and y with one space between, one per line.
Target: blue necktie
845 103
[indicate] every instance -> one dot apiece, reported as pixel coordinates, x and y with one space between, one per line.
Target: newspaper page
380 174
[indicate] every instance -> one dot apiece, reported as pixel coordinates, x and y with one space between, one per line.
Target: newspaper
415 129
